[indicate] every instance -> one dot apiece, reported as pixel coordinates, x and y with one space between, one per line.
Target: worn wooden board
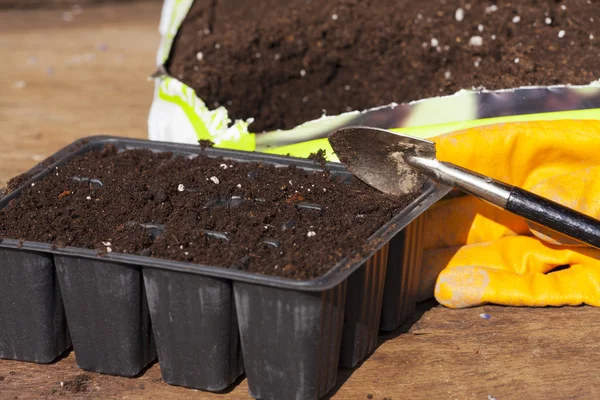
518 353
63 80
97 84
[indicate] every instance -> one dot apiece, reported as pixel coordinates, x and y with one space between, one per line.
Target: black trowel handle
554 216
518 201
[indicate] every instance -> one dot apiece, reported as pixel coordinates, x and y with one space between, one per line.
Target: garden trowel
399 165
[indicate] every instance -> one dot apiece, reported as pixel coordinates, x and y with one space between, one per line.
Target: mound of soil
284 62
281 221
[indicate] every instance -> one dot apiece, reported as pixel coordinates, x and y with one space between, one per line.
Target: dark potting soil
14 183
77 384
255 217
285 61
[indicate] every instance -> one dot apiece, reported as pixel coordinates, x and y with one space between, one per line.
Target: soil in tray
279 221
284 62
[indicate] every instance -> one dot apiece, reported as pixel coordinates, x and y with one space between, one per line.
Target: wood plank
64 80
97 84
518 353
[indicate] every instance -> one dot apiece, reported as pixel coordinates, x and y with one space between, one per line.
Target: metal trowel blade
379 157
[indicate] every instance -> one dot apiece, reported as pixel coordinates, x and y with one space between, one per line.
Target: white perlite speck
480 28
215 180
459 15
347 87
517 60
447 74
516 19
334 17
180 187
33 184
591 36
491 9
109 250
548 21
239 186
493 37
563 7
561 34
106 243
434 42
88 198
224 166
476 41
302 72
199 56
217 46
476 63
311 233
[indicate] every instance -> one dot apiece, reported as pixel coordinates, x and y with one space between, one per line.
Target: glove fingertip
462 287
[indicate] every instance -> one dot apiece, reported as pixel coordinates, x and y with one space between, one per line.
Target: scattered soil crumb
319 158
205 143
15 182
77 384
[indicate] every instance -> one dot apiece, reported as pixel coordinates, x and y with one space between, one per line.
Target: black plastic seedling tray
208 325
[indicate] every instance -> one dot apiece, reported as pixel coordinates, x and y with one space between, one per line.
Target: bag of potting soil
277 76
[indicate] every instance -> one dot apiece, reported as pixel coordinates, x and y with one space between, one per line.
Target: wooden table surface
65 76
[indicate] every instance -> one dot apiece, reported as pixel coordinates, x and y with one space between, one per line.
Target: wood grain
97 84
518 353
60 81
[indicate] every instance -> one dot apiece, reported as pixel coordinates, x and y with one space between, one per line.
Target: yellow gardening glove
475 253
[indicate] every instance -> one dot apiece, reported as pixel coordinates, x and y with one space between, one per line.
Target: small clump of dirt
15 183
256 217
77 384
205 144
320 158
